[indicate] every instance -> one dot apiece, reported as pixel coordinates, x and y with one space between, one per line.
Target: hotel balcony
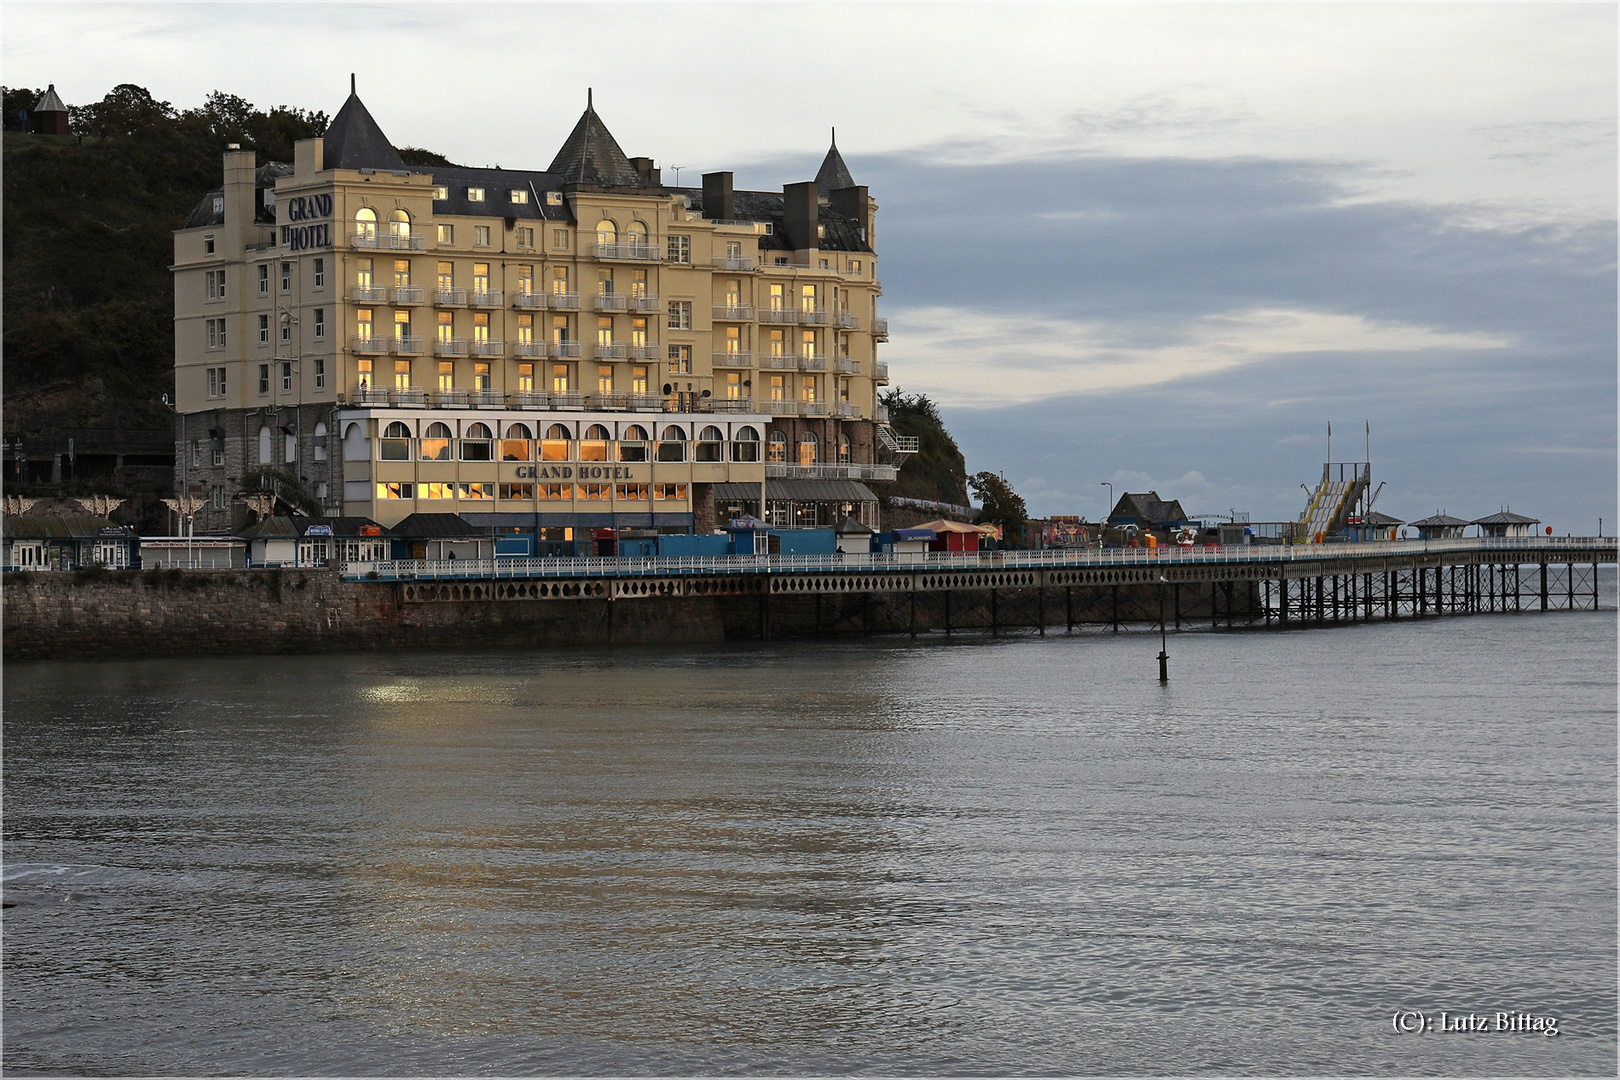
815 317
567 401
611 352
845 321
845 366
529 349
734 312
409 396
649 351
779 363
488 348
815 408
815 362
370 296
831 472
485 299
647 303
531 300
531 400
848 410
564 301
644 403
779 316
450 298
881 414
740 264
407 241
781 408
365 396
624 252
610 402
408 294
373 346
450 399
406 346
733 359
565 350
364 240
486 399
727 405
450 347
880 370
880 329
609 302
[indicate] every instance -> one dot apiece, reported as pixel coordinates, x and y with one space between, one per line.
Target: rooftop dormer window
440 192
553 198
475 194
219 204
519 197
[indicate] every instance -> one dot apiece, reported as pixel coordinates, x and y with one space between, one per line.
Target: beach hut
957 535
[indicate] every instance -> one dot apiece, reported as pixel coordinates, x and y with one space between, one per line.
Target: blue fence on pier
1511 549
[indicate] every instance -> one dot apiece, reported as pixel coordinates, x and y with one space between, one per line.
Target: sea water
976 855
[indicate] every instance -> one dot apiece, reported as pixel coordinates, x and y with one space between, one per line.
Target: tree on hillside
126 110
1001 504
937 471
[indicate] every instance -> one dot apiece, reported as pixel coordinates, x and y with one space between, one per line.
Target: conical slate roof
354 141
590 155
834 173
50 102
1506 517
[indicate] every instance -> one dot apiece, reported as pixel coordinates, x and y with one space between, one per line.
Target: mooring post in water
1164 646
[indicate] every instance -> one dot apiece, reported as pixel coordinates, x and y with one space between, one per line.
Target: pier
1248 585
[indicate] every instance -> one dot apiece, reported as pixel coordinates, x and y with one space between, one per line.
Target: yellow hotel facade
552 351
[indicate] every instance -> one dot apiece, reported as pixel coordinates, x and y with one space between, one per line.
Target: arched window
475 443
365 226
518 445
554 447
594 447
320 440
808 445
436 442
395 444
776 449
356 447
672 447
710 445
636 233
399 226
607 232
843 449
264 444
745 444
633 443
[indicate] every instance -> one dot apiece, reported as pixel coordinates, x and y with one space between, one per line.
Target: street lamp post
1110 487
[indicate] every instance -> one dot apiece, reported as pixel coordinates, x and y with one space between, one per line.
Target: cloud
976 359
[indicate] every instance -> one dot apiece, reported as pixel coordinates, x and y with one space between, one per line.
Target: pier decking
1271 585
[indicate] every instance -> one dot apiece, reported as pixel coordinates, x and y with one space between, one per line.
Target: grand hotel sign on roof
308 208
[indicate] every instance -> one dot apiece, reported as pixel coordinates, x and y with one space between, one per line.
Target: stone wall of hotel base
182 613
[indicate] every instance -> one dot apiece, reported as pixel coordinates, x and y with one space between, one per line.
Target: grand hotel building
559 350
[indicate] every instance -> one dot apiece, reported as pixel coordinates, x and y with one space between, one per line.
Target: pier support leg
817 632
866 614
1040 604
994 627
1068 609
1543 586
1114 590
1594 587
1175 597
947 613
765 610
1282 601
913 619
1569 577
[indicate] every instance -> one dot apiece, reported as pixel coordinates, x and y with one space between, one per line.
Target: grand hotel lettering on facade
578 347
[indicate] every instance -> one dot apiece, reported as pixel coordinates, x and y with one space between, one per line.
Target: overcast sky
1158 245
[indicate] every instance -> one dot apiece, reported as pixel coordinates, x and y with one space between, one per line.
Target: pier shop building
550 351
